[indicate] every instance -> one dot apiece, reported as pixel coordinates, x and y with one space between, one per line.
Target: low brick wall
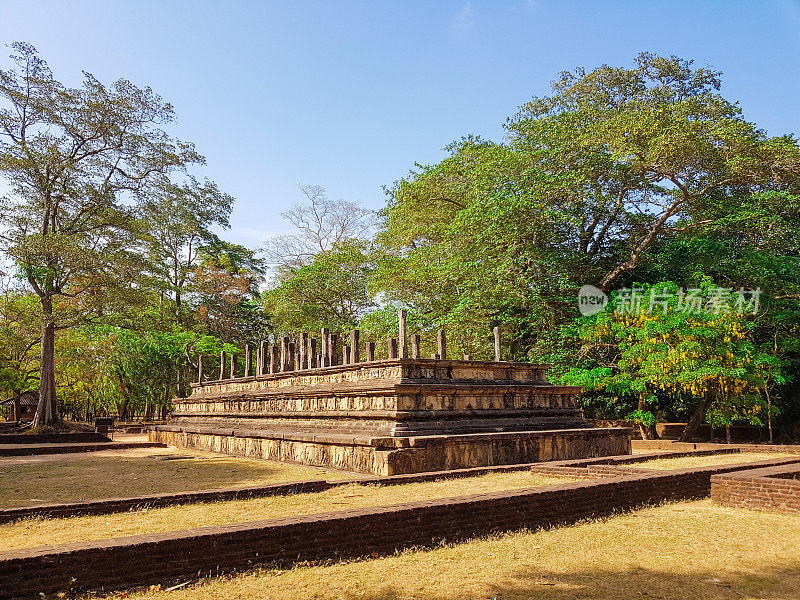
588 468
53 438
669 445
36 449
156 558
772 488
114 505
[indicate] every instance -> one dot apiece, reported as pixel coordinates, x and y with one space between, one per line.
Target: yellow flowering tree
692 348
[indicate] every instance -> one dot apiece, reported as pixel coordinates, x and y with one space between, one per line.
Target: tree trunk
643 429
769 413
695 421
728 433
15 414
47 410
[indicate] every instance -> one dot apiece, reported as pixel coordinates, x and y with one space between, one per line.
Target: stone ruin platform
391 417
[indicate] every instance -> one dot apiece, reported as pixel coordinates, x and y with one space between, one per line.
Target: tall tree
74 159
593 176
320 223
226 288
180 220
331 291
654 144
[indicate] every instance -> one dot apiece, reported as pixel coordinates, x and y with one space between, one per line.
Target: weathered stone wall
393 397
394 456
393 416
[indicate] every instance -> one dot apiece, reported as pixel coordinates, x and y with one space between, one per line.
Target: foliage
19 342
698 359
643 175
71 157
330 291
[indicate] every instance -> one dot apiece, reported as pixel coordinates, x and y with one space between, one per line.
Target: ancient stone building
386 417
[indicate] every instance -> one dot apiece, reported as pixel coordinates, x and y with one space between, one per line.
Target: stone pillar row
303 354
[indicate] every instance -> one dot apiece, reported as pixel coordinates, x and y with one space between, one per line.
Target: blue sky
349 95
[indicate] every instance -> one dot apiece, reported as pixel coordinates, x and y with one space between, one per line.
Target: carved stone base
402 455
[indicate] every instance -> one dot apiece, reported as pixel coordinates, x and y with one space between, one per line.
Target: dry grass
677 551
28 533
114 473
689 462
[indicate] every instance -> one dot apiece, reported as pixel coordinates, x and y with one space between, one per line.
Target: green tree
19 341
72 157
697 356
180 218
330 291
654 144
594 179
226 293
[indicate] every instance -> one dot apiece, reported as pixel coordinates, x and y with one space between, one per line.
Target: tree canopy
643 177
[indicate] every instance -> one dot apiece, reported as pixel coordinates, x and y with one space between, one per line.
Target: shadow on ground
598 584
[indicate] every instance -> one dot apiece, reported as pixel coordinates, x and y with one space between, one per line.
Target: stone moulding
393 416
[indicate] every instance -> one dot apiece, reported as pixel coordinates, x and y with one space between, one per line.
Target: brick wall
156 558
772 488
114 505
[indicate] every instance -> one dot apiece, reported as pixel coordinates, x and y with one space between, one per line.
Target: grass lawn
114 473
689 462
28 533
681 551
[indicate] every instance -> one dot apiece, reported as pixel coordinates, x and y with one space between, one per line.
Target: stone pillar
496 332
370 351
441 340
275 359
355 357
248 359
392 348
312 353
403 345
233 366
415 340
346 355
199 369
222 364
304 362
264 355
290 358
285 353
334 350
325 351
